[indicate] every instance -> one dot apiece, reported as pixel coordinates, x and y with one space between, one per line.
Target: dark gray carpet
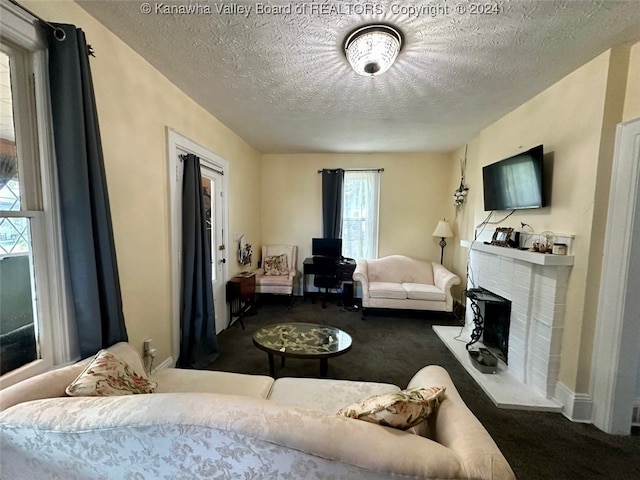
391 346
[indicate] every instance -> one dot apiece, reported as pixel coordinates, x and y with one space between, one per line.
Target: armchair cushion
274 281
276 265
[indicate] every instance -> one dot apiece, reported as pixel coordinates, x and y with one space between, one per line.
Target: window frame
375 207
22 39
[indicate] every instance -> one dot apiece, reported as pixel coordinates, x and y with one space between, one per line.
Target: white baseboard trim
168 363
575 406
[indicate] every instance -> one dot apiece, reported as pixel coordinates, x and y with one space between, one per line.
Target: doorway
214 174
614 379
213 191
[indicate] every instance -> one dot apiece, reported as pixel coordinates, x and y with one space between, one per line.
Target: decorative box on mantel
536 285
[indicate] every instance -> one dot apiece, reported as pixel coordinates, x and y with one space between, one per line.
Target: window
360 214
18 208
33 319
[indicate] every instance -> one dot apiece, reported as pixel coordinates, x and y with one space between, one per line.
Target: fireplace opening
492 317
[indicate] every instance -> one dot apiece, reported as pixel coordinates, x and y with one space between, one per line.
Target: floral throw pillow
401 410
106 376
276 265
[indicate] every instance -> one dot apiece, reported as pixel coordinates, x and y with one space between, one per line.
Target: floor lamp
443 230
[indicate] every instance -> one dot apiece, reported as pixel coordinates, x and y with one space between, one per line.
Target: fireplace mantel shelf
545 259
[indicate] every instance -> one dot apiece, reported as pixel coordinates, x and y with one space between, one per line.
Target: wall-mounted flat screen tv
326 247
515 182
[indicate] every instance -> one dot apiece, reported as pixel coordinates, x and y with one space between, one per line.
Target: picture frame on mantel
501 236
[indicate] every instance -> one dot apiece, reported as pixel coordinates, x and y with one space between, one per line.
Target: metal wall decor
460 195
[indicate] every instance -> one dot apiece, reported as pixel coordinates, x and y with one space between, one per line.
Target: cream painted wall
414 195
135 104
569 119
632 97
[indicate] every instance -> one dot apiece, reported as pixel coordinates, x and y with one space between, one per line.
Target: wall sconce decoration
460 195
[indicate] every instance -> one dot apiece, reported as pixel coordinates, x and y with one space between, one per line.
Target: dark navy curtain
198 342
332 187
90 254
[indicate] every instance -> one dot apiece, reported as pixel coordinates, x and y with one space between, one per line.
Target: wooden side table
241 291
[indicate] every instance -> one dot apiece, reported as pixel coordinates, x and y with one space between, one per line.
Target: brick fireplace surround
536 284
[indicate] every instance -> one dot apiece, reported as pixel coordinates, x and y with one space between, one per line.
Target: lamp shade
443 230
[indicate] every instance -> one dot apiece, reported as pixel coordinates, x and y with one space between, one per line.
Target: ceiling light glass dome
372 49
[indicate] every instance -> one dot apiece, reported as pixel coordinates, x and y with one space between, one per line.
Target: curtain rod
206 163
380 170
58 33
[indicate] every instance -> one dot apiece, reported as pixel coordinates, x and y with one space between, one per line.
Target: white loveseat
398 281
206 424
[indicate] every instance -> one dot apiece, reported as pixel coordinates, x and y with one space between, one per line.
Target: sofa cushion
107 375
324 394
400 269
171 380
401 410
422 291
387 290
276 265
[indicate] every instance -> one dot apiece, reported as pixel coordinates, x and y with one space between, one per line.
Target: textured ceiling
281 81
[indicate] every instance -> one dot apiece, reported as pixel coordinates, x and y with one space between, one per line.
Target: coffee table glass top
307 340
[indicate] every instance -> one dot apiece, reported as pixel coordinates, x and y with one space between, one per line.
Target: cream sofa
205 424
398 281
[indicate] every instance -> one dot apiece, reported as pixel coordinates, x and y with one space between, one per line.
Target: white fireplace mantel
522 255
536 284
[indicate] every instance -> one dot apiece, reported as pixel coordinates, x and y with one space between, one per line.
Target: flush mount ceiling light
372 49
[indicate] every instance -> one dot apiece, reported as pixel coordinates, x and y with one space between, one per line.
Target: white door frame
617 337
176 145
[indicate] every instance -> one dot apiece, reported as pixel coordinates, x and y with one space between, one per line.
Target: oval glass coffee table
302 340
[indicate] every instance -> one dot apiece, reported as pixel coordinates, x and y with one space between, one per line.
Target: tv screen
515 182
326 247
